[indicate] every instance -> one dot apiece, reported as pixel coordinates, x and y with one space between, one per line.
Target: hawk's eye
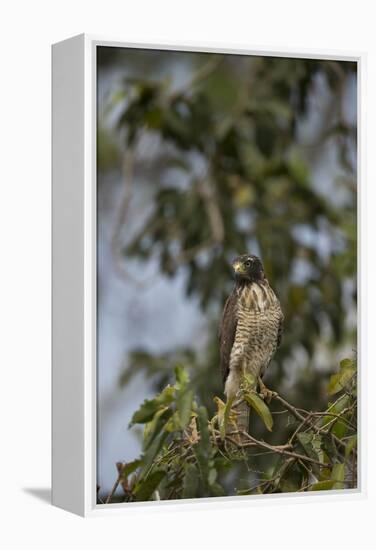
248 263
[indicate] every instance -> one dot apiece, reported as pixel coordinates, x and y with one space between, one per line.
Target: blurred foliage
233 172
187 455
239 120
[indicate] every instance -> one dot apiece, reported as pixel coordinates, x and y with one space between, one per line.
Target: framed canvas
207 304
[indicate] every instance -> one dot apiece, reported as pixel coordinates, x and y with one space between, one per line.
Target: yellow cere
238 267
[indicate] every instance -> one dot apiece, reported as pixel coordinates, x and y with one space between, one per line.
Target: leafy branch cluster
186 454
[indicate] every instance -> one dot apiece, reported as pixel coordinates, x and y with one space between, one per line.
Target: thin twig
115 486
304 421
278 412
335 416
282 449
300 417
120 222
201 74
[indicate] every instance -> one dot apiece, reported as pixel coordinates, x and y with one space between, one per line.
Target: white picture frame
74 277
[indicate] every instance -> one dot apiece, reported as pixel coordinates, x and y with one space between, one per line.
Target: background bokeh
202 157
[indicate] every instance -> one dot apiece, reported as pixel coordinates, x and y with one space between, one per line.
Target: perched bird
250 330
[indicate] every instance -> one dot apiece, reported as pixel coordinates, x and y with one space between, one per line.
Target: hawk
250 330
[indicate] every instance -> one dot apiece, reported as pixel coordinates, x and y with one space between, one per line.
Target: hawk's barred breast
258 327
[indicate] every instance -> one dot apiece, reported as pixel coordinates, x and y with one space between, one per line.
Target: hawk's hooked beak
238 267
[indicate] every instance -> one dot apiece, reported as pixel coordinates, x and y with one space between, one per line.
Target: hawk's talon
266 394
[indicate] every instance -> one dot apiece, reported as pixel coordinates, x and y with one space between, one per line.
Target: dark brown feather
227 331
280 331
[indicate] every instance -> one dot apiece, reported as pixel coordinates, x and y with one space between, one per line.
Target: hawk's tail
242 419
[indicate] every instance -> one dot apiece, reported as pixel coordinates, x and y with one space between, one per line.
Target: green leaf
190 484
204 443
249 382
278 108
318 447
154 118
118 96
261 408
150 406
335 408
148 457
145 413
339 429
338 476
339 381
203 448
217 490
223 415
212 476
184 407
329 446
130 467
145 488
173 423
311 444
323 485
155 426
298 169
347 363
351 444
334 385
306 440
181 375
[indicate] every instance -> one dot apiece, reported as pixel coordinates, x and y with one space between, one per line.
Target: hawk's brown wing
227 332
280 330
